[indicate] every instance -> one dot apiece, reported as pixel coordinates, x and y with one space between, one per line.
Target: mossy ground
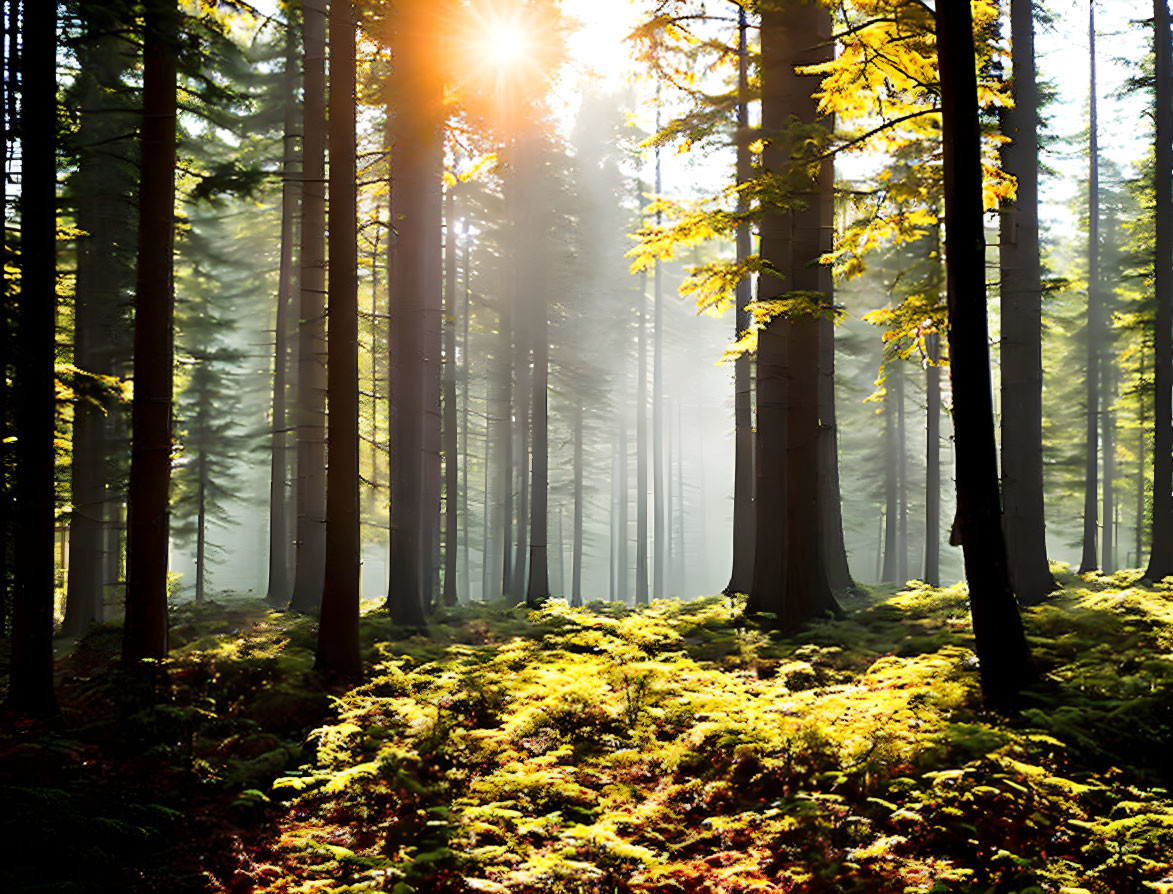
676 749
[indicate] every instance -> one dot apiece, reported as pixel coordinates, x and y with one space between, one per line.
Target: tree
338 649
145 628
1020 293
741 577
279 587
1161 555
30 689
1004 660
1089 560
311 331
790 579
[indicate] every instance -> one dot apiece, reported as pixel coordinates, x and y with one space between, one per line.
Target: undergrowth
677 748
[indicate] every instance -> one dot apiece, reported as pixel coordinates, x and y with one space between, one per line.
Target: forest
585 446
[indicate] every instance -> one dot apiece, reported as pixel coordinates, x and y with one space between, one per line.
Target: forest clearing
587 446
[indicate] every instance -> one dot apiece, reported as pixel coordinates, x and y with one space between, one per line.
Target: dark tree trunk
279 589
102 186
521 441
576 573
145 628
30 689
433 309
310 570
1021 306
1088 561
1141 443
338 649
1161 555
933 462
201 524
830 502
416 290
538 586
465 379
1107 424
1001 644
451 467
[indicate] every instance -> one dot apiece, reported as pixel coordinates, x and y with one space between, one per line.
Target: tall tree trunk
1088 561
465 379
30 689
279 590
417 283
660 531
1107 423
201 524
522 456
1004 660
451 468
623 562
506 440
576 559
891 570
145 628
1021 306
1141 441
901 475
102 186
538 586
310 567
741 577
1161 554
932 569
830 501
338 649
641 452
681 552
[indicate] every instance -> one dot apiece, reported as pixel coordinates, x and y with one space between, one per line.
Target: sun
506 42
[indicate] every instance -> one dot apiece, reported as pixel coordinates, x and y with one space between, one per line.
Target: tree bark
1004 660
279 590
660 530
932 568
201 524
30 689
451 465
417 284
741 577
891 570
1021 306
641 452
1161 550
145 627
338 648
1089 560
830 501
576 560
310 568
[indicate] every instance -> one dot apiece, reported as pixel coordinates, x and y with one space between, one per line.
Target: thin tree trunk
145 628
1088 561
891 570
623 563
30 688
1141 441
741 577
1108 422
681 552
278 590
451 468
538 586
1004 660
576 573
201 524
338 648
933 462
901 476
660 530
310 567
522 461
465 377
641 453
1161 555
1021 307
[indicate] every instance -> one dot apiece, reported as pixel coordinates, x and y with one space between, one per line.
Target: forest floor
676 748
